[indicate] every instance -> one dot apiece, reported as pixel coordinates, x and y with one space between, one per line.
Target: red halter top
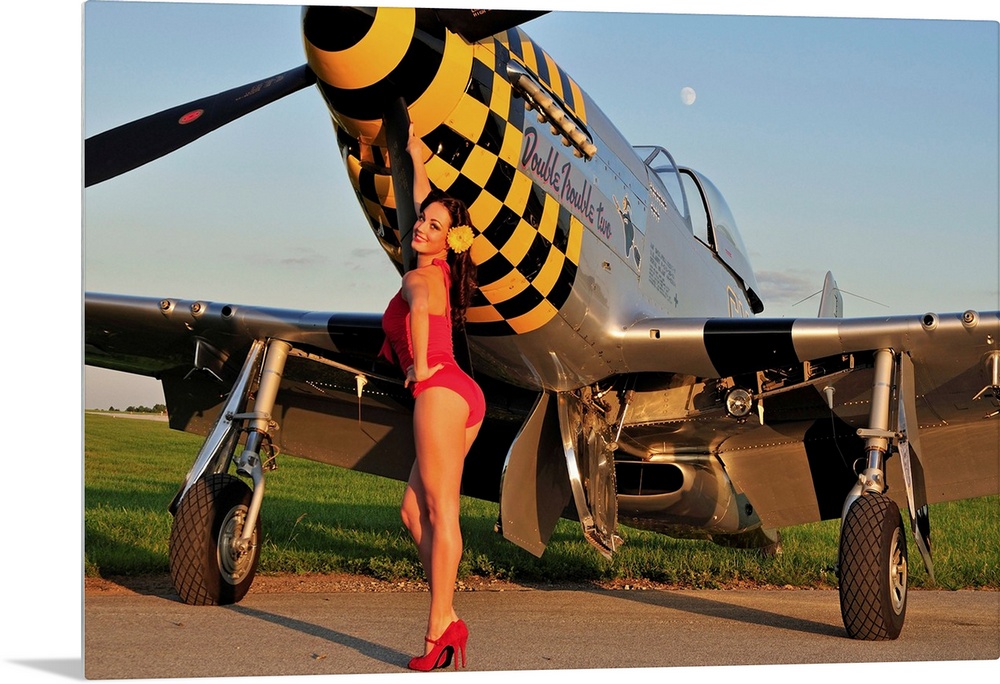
396 325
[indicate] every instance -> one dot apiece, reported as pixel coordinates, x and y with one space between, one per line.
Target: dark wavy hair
463 269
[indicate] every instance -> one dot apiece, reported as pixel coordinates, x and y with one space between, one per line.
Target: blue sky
863 146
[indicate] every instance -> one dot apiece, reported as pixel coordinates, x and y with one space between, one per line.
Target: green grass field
321 519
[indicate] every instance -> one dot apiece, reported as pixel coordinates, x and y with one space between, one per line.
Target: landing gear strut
872 557
216 534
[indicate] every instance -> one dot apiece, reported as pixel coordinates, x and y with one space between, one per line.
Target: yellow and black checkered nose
367 58
472 121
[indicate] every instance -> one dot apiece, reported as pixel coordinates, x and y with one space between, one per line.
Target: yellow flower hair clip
460 238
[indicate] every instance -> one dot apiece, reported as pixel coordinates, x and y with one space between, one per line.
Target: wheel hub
234 562
897 573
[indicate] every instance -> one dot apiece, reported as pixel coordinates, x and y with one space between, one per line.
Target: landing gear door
534 489
910 455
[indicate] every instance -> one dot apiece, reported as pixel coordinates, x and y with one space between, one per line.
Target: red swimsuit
396 324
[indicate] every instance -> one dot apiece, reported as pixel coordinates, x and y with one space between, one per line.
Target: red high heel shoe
450 644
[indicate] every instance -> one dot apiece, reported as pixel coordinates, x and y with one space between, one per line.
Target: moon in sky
688 95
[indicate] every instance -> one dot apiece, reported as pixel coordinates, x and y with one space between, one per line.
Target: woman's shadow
364 647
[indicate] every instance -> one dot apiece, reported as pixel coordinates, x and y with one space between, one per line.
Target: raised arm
421 184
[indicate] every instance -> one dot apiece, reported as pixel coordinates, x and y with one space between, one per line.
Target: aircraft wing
717 347
338 403
795 453
197 348
153 336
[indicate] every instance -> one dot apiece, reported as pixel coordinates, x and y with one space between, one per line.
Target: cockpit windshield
722 235
662 164
708 216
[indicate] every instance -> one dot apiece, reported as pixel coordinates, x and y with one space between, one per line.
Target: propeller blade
396 122
474 25
131 145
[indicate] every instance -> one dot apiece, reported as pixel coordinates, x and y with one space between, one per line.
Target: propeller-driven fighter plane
616 333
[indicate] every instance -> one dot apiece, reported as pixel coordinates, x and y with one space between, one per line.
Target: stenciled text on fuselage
547 167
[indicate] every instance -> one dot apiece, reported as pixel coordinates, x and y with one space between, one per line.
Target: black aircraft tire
205 568
873 571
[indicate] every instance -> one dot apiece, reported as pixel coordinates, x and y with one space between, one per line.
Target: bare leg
414 514
431 501
414 509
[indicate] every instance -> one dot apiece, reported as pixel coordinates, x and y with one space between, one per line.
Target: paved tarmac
295 633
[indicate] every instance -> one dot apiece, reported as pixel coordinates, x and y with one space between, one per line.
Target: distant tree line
157 408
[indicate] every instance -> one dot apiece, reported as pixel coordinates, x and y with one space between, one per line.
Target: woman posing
448 405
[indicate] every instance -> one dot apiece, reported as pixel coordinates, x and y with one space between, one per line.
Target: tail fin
831 303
